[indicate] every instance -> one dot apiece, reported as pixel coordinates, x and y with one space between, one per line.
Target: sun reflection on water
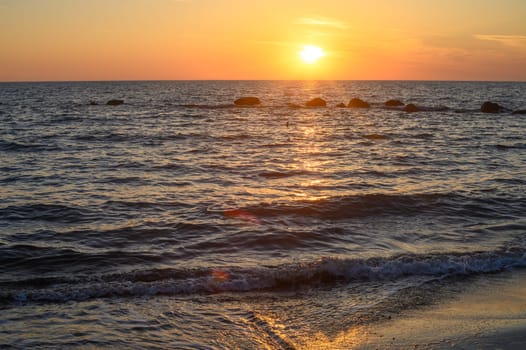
285 336
348 339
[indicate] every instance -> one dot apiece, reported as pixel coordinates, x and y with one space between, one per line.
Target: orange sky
220 39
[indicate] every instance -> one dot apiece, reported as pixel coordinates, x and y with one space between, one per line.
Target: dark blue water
180 220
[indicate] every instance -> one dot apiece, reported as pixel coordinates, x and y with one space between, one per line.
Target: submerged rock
247 101
114 102
340 105
93 103
491 107
410 108
393 103
357 103
519 111
316 102
293 105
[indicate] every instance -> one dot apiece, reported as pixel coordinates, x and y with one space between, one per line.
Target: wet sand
490 314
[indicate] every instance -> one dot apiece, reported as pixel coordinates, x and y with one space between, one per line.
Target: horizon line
247 80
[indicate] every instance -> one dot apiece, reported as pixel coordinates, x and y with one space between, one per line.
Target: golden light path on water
304 159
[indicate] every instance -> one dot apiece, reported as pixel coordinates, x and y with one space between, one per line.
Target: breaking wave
329 271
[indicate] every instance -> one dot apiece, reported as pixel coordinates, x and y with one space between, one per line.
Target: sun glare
311 54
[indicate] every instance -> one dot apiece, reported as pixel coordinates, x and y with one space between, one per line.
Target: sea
179 220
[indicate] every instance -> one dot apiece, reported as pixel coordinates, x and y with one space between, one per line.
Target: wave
235 137
25 178
207 106
26 245
66 118
504 147
282 174
47 212
123 205
329 271
376 137
12 146
43 260
122 180
278 145
347 207
134 138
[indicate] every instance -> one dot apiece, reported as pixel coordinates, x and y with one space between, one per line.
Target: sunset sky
220 39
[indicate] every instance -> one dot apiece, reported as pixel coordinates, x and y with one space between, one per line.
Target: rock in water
114 102
357 103
491 107
410 108
316 102
519 111
393 103
340 105
247 101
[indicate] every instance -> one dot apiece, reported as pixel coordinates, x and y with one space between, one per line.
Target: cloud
322 22
516 41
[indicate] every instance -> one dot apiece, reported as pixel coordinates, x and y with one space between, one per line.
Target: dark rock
393 103
519 111
340 105
491 107
316 102
247 101
410 108
114 102
357 103
293 105
93 103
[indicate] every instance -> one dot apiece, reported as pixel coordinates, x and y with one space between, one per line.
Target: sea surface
179 220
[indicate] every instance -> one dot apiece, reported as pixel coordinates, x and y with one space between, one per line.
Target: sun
311 54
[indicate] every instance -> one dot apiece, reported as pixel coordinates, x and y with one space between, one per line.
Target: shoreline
489 314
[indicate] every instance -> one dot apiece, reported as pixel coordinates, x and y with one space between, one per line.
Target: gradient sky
220 39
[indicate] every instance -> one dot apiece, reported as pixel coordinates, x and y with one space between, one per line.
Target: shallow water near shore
178 220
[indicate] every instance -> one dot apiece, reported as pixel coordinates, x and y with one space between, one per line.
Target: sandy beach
490 314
